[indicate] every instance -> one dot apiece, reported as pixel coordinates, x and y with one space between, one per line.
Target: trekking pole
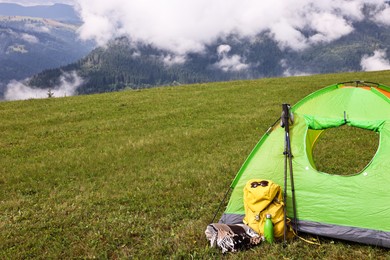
292 184
288 157
284 123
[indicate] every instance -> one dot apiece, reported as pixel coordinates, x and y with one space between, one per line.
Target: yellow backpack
262 197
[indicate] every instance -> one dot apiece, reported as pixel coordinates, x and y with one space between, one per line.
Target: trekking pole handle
285 116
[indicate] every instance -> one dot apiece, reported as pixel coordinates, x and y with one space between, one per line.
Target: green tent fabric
354 207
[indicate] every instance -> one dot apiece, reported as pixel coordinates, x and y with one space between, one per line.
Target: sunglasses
259 183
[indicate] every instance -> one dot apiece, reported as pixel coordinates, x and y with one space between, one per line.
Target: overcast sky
183 26
38 2
187 25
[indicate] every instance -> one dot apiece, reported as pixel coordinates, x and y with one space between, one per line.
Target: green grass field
140 174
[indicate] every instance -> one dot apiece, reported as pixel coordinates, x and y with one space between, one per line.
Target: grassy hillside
139 174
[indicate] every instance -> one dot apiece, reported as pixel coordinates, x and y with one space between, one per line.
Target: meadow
139 174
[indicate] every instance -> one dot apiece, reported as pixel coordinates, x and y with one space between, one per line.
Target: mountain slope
59 12
29 45
123 64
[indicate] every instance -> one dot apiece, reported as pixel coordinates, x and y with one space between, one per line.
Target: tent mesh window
344 150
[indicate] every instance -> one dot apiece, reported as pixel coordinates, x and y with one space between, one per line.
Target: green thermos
268 229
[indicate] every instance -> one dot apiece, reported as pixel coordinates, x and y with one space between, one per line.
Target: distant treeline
123 65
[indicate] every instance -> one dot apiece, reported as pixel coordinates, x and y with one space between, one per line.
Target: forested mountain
122 64
30 45
58 12
35 38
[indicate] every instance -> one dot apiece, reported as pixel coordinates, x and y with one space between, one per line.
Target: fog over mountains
121 64
36 38
152 43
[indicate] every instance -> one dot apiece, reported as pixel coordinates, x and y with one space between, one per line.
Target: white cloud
383 16
232 63
229 63
378 61
29 38
24 36
325 24
173 59
224 48
187 26
288 71
288 36
69 82
37 28
18 48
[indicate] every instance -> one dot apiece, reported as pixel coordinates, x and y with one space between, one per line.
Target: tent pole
220 205
230 188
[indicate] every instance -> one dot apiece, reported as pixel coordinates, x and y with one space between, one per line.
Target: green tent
354 207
